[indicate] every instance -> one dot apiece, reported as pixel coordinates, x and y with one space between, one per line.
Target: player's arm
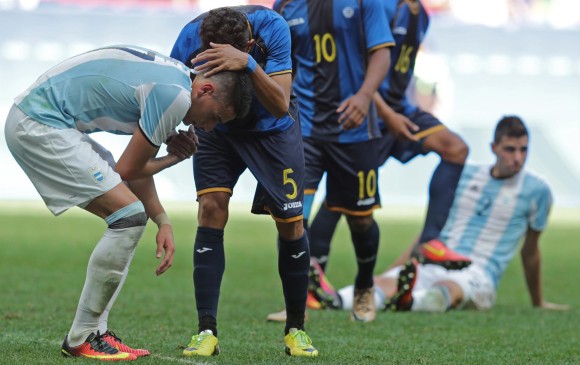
531 260
145 190
398 124
272 92
354 109
139 161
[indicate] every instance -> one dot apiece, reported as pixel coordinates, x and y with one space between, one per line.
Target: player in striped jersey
408 132
340 50
268 143
120 90
495 208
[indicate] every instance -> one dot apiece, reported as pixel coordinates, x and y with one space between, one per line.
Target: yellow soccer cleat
202 344
299 344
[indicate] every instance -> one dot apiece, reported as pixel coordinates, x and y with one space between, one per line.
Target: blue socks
293 265
366 246
320 234
441 193
208 269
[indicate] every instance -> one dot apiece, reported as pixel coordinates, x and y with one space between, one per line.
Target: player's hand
183 144
221 57
402 127
554 306
164 243
353 111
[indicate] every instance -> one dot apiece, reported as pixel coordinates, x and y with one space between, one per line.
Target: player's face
511 153
206 112
210 114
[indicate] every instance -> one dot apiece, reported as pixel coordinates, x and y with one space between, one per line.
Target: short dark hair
510 126
234 88
225 26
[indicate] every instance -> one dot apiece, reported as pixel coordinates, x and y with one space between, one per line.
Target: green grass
43 261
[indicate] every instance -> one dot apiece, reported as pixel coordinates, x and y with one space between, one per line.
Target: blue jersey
271 51
409 24
489 216
114 89
330 43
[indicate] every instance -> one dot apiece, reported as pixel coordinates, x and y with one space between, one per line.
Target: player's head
510 146
219 98
225 26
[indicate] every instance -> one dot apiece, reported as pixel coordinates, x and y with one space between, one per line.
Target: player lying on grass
495 207
120 90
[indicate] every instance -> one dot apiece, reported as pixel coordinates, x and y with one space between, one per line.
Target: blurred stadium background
481 60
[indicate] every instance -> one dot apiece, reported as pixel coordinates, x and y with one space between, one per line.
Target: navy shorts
276 160
352 174
405 151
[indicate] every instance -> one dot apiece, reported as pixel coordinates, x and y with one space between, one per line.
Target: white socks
435 299
106 271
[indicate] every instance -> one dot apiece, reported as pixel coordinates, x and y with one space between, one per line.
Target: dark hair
235 89
225 26
510 126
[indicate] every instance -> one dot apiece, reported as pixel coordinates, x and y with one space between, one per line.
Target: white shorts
478 289
67 167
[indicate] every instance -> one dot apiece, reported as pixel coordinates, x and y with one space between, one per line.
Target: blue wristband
251 66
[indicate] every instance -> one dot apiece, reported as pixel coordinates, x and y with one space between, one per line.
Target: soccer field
43 261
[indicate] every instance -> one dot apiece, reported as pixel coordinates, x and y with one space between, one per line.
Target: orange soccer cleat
113 340
321 294
403 298
95 347
435 252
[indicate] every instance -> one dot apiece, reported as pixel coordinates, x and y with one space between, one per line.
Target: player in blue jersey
340 50
121 90
408 132
495 208
268 143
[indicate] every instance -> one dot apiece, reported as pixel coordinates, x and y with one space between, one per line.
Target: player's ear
249 45
207 88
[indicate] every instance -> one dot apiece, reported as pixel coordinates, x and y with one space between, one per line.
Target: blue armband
251 66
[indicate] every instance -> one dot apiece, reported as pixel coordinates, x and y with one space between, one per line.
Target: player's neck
498 175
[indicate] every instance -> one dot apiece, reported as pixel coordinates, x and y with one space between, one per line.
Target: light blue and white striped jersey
489 216
112 89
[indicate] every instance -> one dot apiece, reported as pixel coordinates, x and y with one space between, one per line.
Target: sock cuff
210 235
293 242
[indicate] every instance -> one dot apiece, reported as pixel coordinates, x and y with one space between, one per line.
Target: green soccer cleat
299 344
202 344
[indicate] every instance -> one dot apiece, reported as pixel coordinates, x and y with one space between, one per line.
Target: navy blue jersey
408 25
271 51
330 43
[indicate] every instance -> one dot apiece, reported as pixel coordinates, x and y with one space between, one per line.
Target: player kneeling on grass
120 90
495 207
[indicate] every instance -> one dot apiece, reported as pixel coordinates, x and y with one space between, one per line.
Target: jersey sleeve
541 205
162 109
279 46
186 43
377 29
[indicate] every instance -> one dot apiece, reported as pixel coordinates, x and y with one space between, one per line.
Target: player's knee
290 231
359 224
213 210
453 149
132 215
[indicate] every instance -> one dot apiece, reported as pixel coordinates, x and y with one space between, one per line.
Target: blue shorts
352 174
276 160
405 151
